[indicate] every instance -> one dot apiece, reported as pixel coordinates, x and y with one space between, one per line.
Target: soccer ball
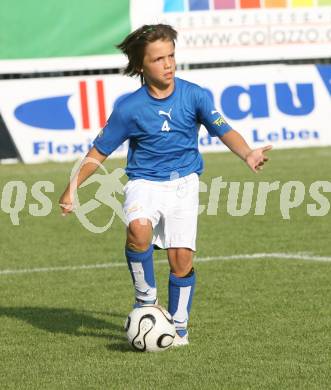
150 328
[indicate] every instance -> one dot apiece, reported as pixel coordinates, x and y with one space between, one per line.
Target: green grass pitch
259 323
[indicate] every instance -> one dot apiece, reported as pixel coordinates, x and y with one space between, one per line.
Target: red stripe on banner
84 105
101 103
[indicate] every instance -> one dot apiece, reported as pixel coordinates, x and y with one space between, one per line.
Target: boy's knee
139 236
181 261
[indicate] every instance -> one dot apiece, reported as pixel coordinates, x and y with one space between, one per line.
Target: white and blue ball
150 328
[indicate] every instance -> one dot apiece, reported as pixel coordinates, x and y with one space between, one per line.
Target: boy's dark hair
134 45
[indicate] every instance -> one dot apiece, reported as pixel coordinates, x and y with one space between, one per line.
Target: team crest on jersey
219 120
165 126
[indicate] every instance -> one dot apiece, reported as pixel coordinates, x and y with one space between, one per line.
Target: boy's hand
66 203
256 158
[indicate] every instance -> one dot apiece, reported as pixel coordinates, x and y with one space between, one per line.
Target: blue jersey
162 133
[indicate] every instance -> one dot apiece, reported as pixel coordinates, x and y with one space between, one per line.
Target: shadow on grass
73 322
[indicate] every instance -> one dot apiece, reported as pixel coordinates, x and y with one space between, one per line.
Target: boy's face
159 63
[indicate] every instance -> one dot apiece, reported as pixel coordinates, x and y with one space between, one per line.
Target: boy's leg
181 287
139 255
180 239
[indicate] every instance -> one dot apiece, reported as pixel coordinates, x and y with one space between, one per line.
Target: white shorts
171 206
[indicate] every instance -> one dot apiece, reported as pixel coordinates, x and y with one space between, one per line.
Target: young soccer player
161 121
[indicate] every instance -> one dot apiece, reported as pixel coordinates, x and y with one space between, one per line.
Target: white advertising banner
56 119
241 30
286 106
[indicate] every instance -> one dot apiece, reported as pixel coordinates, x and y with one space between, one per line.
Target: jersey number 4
165 126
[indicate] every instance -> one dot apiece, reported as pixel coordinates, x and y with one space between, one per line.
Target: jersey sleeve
112 135
210 117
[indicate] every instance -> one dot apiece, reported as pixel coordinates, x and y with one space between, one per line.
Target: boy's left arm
254 158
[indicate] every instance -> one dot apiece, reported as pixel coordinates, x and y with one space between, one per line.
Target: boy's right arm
89 165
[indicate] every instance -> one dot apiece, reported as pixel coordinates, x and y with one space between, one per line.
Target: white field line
253 256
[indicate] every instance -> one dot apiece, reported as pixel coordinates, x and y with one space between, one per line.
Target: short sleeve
209 116
112 135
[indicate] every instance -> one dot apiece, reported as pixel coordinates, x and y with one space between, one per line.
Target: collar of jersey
162 99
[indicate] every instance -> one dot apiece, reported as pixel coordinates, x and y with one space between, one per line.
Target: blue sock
142 272
180 293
